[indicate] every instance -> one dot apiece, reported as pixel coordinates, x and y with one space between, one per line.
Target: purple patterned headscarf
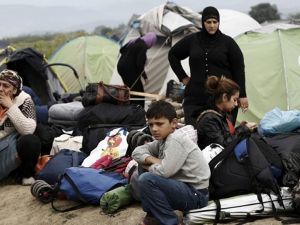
13 78
149 38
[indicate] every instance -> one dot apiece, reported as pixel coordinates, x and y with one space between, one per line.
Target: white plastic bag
114 144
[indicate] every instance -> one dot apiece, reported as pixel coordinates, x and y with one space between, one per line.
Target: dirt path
18 206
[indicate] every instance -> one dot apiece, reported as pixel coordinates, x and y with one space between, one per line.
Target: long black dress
216 55
131 66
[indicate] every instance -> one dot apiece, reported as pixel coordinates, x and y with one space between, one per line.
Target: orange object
42 161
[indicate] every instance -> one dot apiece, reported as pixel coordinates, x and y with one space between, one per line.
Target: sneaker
28 181
149 220
179 215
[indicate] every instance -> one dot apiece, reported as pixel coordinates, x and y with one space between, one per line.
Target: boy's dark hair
161 109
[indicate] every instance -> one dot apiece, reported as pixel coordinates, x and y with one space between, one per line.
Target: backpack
95 122
58 163
86 186
287 147
245 166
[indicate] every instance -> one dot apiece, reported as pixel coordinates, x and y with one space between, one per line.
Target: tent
30 65
272 65
93 57
172 22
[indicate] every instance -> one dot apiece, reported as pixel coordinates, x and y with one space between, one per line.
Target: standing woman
210 52
17 118
131 65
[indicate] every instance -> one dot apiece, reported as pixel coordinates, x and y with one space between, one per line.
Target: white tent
171 23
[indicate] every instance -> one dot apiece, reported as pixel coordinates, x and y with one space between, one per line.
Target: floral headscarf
13 78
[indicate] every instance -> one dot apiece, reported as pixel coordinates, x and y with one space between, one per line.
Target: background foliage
49 42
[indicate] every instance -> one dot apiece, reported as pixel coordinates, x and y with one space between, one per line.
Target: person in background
210 52
214 125
17 118
176 174
131 64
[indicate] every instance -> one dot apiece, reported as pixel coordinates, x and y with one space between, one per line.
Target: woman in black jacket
210 52
131 65
214 125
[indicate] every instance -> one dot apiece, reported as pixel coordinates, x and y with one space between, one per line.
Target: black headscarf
209 13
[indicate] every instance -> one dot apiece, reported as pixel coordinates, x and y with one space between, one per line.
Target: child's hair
161 109
218 86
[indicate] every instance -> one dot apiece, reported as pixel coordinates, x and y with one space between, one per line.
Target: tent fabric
184 21
30 64
234 23
272 66
93 57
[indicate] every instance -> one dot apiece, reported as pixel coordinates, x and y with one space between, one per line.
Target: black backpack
96 121
287 147
251 174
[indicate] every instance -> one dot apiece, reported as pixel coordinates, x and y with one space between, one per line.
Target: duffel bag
86 186
100 92
58 163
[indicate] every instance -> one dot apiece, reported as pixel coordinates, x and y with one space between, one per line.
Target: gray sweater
182 159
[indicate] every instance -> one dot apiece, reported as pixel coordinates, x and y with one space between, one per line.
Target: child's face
160 128
229 104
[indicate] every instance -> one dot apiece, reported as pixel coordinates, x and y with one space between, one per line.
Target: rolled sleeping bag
134 139
143 139
130 134
114 199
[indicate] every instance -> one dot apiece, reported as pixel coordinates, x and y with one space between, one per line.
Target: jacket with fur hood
212 127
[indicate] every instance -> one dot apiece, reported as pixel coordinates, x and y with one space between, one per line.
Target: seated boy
177 174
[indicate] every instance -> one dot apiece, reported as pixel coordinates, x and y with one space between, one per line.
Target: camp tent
272 63
30 65
171 23
93 57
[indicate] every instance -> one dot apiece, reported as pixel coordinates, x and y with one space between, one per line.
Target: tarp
93 57
272 65
241 206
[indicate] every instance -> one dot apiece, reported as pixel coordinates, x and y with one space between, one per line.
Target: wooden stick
148 95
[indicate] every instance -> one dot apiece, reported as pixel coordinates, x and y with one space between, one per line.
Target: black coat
132 62
208 55
212 127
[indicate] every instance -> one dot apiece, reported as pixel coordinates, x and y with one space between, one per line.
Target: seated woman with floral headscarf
17 118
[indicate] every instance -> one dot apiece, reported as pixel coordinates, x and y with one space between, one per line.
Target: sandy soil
18 206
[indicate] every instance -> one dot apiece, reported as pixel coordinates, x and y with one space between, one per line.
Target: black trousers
29 150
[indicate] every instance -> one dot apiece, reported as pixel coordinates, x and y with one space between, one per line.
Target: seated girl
214 125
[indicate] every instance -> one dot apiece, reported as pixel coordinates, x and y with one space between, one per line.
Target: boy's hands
149 161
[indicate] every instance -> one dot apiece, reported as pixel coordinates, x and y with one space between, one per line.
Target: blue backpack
86 185
56 166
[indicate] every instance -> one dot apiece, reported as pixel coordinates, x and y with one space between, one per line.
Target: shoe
179 215
149 220
28 181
